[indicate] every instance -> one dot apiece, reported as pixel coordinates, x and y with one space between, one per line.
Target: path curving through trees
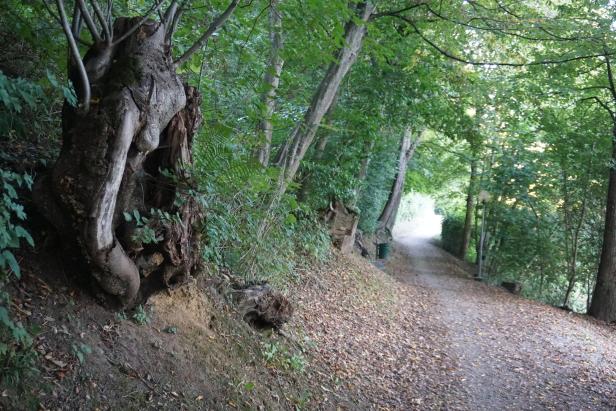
512 353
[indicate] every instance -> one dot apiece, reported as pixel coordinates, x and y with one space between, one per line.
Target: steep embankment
359 340
423 337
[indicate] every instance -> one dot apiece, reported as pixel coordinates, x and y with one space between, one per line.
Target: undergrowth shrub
329 178
313 239
17 355
452 231
377 186
28 110
29 113
241 230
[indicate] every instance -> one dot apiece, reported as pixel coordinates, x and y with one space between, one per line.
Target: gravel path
511 353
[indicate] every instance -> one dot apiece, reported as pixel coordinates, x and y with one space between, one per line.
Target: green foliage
121 316
277 355
377 186
10 211
68 92
146 226
141 316
171 330
546 175
81 351
451 235
16 352
15 94
239 230
28 112
297 363
329 180
270 350
404 76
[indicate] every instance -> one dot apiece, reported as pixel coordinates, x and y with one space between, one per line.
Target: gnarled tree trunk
126 155
271 79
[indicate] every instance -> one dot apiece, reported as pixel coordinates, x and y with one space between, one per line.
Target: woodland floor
424 335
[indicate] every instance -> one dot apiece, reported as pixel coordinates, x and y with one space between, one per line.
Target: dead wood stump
262 307
359 243
342 222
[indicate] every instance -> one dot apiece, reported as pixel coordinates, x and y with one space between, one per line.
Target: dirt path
513 353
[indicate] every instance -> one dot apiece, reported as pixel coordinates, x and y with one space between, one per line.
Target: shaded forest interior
241 146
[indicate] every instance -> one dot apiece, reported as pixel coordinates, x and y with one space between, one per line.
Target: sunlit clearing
416 217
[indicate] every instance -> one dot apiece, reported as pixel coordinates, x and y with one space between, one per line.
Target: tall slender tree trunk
603 305
319 150
570 285
484 176
541 281
477 234
470 206
365 161
588 290
574 229
271 80
363 170
408 145
291 154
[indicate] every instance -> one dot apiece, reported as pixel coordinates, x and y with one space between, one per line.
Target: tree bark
271 80
603 305
572 229
390 211
365 161
470 206
113 163
291 154
319 150
570 285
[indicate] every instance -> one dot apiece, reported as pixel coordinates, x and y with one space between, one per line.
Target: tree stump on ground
359 243
342 226
262 307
